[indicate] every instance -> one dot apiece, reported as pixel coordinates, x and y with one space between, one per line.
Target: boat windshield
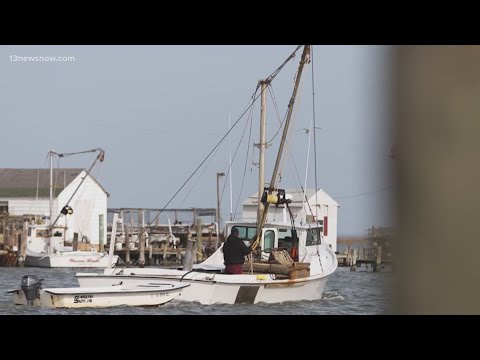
246 233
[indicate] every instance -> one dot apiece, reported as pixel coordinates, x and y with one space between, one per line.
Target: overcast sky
159 110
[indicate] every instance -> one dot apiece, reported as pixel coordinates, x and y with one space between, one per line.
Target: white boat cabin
315 220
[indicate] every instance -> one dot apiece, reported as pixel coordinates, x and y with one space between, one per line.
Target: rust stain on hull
288 284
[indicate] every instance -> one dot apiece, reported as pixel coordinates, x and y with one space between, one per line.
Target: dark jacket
234 250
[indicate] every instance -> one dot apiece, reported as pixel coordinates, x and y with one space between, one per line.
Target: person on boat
234 251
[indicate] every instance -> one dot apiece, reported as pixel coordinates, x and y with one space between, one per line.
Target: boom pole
304 59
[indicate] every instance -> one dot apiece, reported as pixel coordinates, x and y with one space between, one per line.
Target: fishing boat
289 262
61 256
151 294
46 241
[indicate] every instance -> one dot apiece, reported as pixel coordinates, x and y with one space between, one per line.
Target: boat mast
230 168
304 59
261 147
50 240
100 157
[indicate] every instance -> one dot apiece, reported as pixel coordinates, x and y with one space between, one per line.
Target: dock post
101 232
75 242
127 246
378 260
12 236
189 255
179 255
199 240
165 246
4 231
141 240
353 266
22 251
113 238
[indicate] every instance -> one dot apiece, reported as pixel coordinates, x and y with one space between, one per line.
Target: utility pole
219 175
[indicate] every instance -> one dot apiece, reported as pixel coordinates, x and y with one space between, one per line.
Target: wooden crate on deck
82 246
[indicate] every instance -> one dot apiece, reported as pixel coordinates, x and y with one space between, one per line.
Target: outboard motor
30 286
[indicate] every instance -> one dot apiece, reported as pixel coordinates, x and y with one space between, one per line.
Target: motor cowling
30 286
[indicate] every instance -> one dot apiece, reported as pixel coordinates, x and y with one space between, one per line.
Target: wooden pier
370 257
13 239
141 242
373 250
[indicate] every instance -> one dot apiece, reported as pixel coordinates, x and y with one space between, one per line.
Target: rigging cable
363 194
288 149
308 159
269 79
198 167
315 160
244 169
100 157
274 101
199 177
304 60
249 119
78 152
314 134
275 73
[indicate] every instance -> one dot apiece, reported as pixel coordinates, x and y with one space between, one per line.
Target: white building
320 206
27 191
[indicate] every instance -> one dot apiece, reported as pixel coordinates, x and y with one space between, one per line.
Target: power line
364 194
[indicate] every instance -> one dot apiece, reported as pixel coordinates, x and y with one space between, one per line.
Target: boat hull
224 289
71 259
99 297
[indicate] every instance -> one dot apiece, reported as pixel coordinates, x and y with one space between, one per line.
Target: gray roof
23 182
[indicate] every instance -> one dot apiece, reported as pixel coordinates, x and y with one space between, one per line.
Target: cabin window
3 207
268 239
41 233
313 219
246 233
285 238
313 236
320 222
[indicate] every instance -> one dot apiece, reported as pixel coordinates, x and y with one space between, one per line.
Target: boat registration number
80 299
